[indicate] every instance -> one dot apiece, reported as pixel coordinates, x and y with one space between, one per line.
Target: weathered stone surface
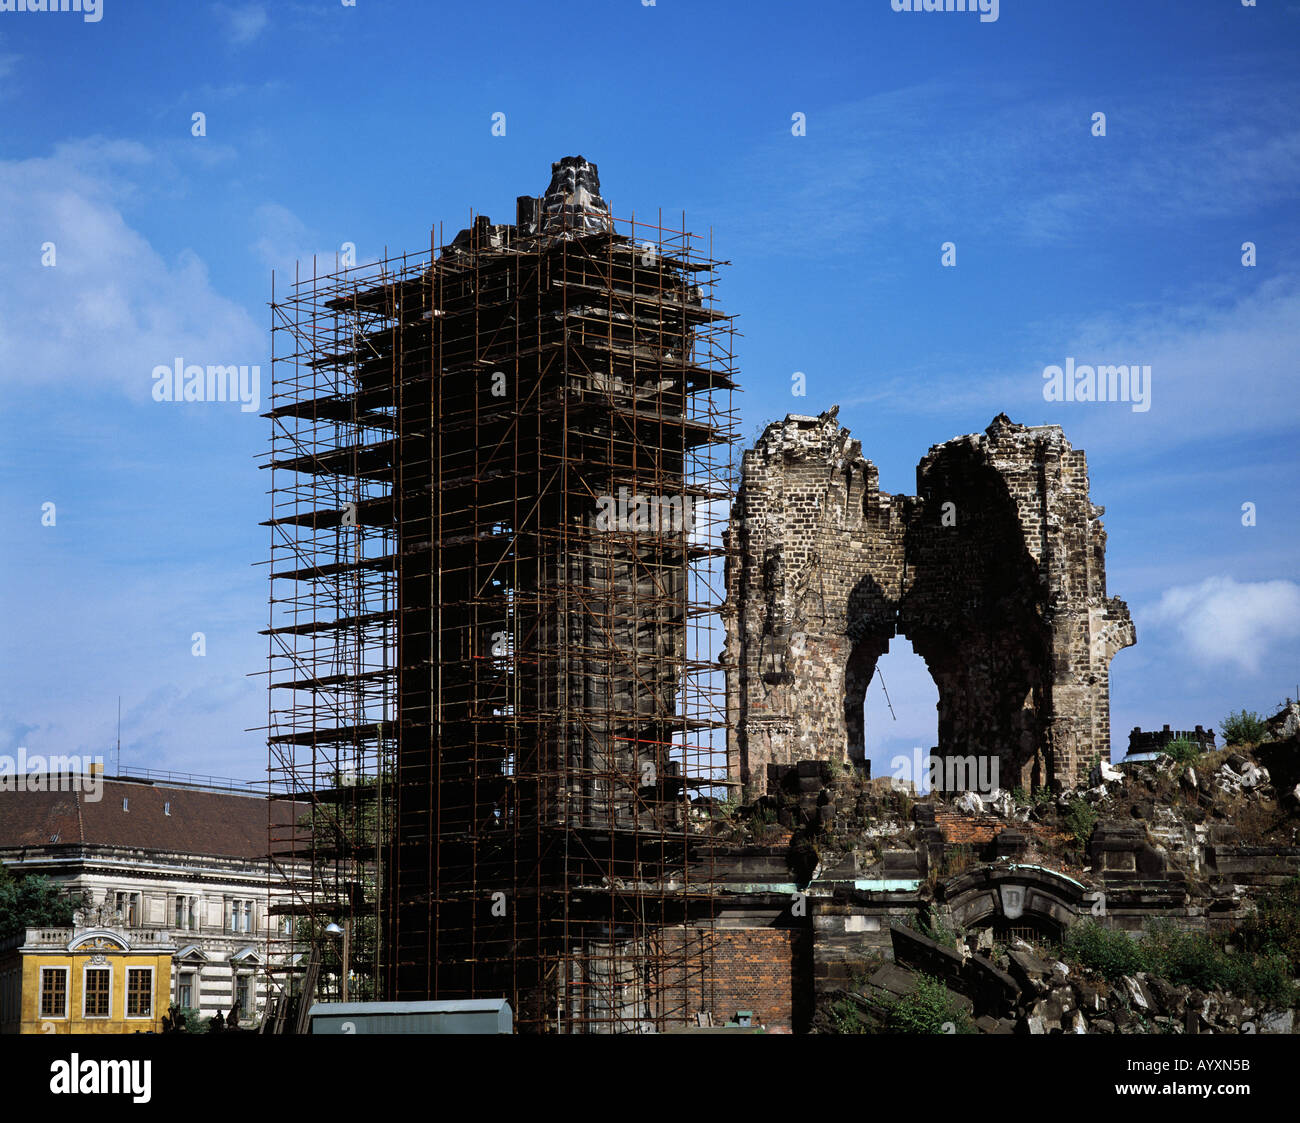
1028 970
994 571
1137 992
894 980
1283 1022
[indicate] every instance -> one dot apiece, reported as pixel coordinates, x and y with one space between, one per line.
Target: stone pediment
98 939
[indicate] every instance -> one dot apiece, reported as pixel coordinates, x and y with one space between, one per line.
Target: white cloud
284 239
1218 364
111 308
1015 166
1224 621
244 24
286 243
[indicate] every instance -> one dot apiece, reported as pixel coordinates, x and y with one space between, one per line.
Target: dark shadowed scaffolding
499 473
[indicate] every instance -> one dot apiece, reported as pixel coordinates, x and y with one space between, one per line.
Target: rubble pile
1021 991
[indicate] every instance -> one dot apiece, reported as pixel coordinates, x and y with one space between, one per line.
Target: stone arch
1005 599
974 611
982 897
872 616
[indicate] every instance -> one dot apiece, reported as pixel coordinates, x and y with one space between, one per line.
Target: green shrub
1183 751
1109 952
1265 978
1274 929
1183 959
1081 818
927 1010
1245 727
846 1016
903 804
939 932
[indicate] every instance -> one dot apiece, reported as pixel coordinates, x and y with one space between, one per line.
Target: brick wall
764 970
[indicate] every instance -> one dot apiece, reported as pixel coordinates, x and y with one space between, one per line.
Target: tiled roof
221 824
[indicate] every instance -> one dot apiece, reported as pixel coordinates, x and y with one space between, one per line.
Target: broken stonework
995 571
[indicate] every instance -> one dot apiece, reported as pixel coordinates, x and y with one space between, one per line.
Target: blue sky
328 124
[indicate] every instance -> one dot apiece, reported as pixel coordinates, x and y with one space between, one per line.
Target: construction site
499 471
569 698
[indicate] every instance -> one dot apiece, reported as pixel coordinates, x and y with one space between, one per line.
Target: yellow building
85 980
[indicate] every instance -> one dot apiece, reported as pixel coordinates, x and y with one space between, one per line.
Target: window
241 995
241 916
128 904
185 990
186 912
98 983
139 992
54 992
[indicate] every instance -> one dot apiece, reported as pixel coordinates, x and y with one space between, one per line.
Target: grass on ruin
1184 959
930 1009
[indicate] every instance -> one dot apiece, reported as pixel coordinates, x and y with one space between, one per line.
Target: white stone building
186 860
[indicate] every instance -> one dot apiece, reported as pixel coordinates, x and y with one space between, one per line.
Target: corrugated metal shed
472 1015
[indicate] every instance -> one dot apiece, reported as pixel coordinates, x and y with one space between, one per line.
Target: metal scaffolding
499 475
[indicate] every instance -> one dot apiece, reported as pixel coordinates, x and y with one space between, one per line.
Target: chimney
528 214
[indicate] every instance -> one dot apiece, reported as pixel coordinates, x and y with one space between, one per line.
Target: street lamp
346 933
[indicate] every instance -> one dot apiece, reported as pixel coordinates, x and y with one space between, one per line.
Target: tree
32 901
1243 728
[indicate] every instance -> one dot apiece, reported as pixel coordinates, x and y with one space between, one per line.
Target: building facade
177 866
85 979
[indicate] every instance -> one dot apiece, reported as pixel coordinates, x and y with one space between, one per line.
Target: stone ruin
994 570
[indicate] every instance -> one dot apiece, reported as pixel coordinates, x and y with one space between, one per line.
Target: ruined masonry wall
995 570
